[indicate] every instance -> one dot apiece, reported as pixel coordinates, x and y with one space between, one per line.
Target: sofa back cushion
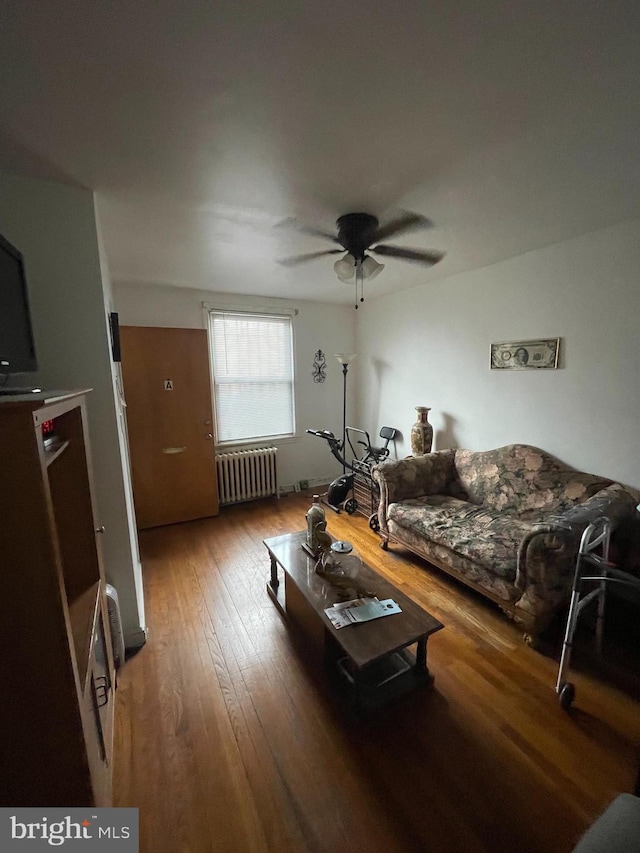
520 479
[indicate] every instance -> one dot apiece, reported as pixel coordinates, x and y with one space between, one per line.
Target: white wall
330 328
54 226
430 346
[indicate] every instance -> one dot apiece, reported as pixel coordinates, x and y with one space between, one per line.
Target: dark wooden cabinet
56 662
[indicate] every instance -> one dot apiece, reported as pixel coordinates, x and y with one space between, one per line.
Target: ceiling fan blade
406 221
309 256
291 222
418 255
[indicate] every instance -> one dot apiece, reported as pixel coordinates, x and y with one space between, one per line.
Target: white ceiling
511 125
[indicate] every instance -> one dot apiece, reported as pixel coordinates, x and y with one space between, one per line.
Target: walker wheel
374 522
567 695
350 506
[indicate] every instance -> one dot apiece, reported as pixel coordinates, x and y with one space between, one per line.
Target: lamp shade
345 267
345 357
371 268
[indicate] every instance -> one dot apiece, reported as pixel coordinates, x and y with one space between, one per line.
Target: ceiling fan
360 233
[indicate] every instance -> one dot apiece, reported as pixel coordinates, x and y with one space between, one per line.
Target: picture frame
539 354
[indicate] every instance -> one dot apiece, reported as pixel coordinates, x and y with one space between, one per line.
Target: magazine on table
360 610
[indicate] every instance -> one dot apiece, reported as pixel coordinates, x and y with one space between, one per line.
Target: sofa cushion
470 571
519 479
479 533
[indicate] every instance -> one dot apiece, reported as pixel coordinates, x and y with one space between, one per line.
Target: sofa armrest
547 554
616 830
412 477
614 501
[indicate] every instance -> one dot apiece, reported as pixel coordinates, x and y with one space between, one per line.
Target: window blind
252 358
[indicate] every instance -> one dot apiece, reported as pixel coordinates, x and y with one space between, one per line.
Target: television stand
19 392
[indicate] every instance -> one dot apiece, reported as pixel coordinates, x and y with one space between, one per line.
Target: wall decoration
525 355
319 367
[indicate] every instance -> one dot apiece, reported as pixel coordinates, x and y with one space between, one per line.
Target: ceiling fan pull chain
359 281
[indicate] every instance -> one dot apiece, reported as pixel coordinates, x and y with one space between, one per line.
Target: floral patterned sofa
507 522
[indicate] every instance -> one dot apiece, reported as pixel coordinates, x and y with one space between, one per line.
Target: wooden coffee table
367 652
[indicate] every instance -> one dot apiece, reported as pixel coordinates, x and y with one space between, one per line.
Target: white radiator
247 474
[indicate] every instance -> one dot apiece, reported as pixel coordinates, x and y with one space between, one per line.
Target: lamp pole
345 360
345 368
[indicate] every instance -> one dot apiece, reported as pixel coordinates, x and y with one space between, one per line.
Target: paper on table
338 613
373 610
360 610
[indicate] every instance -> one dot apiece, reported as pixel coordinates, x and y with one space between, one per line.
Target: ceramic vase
315 522
421 432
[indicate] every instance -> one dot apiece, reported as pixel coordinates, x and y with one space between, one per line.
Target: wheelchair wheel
567 695
350 506
374 522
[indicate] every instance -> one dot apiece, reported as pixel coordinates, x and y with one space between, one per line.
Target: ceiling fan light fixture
345 267
371 268
360 233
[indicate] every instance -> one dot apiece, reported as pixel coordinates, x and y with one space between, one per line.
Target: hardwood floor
227 740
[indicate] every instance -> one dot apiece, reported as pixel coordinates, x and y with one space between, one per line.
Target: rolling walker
591 568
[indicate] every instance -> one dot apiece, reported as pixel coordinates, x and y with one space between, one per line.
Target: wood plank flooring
229 739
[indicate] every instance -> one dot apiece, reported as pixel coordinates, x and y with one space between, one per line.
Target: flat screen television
17 348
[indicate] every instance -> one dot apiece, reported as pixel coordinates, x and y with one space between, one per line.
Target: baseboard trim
135 640
295 487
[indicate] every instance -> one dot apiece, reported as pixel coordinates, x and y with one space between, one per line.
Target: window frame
282 313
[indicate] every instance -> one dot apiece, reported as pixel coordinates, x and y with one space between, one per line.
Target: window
252 357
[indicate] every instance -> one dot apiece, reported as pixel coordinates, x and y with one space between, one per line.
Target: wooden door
167 389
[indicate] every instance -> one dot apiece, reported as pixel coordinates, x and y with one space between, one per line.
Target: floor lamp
345 360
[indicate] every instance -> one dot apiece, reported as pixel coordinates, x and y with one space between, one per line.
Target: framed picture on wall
525 355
